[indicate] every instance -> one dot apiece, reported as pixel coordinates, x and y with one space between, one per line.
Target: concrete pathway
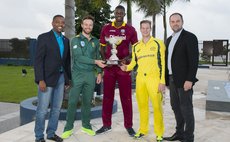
9 116
210 126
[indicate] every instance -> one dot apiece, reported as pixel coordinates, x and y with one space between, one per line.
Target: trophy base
112 62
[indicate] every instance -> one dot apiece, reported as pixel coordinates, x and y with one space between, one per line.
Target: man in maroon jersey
113 73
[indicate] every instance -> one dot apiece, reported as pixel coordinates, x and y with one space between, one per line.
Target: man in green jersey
86 58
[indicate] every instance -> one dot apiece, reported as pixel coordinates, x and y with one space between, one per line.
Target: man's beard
177 29
85 32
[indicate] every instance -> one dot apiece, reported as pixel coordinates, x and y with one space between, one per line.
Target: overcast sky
208 19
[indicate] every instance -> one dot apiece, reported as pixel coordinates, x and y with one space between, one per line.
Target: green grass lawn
15 88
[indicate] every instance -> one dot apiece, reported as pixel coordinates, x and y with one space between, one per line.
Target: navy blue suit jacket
184 61
48 61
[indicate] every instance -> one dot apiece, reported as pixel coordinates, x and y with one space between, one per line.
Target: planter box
28 110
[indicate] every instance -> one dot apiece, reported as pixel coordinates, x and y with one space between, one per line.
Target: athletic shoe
139 135
131 132
159 139
88 131
67 134
103 129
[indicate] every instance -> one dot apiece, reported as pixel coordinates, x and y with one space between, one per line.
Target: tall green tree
99 9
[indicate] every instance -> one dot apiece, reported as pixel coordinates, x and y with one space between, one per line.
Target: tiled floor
210 126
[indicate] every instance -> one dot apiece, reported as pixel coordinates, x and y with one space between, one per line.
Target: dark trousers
97 88
111 76
181 102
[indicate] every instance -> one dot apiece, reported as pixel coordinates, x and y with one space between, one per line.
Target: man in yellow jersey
149 55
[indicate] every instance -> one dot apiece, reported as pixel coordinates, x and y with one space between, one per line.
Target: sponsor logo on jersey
152 48
122 31
93 45
75 47
113 31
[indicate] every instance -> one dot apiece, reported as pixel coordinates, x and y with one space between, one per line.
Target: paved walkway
210 126
9 116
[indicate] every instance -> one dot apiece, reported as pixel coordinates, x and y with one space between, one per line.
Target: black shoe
103 129
56 138
174 137
40 140
131 132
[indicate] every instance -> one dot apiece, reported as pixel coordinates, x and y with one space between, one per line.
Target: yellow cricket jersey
149 57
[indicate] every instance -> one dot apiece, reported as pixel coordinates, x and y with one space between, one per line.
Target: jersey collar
113 24
83 37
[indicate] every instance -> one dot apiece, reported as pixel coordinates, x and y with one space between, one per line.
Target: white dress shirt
172 43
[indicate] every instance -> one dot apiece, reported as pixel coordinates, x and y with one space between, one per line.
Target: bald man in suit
182 56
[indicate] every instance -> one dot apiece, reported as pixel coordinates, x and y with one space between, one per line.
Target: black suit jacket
48 61
184 61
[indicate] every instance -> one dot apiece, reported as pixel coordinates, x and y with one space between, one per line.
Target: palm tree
164 4
154 7
150 8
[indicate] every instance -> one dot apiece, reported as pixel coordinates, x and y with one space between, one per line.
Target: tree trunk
154 25
69 27
69 18
129 12
165 23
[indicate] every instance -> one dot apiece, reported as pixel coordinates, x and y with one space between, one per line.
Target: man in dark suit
182 57
52 74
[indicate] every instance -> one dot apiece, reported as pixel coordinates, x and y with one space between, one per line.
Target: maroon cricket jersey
127 32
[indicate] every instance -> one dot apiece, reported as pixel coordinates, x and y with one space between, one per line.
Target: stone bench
218 96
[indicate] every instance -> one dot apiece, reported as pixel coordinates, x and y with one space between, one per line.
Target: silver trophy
114 41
